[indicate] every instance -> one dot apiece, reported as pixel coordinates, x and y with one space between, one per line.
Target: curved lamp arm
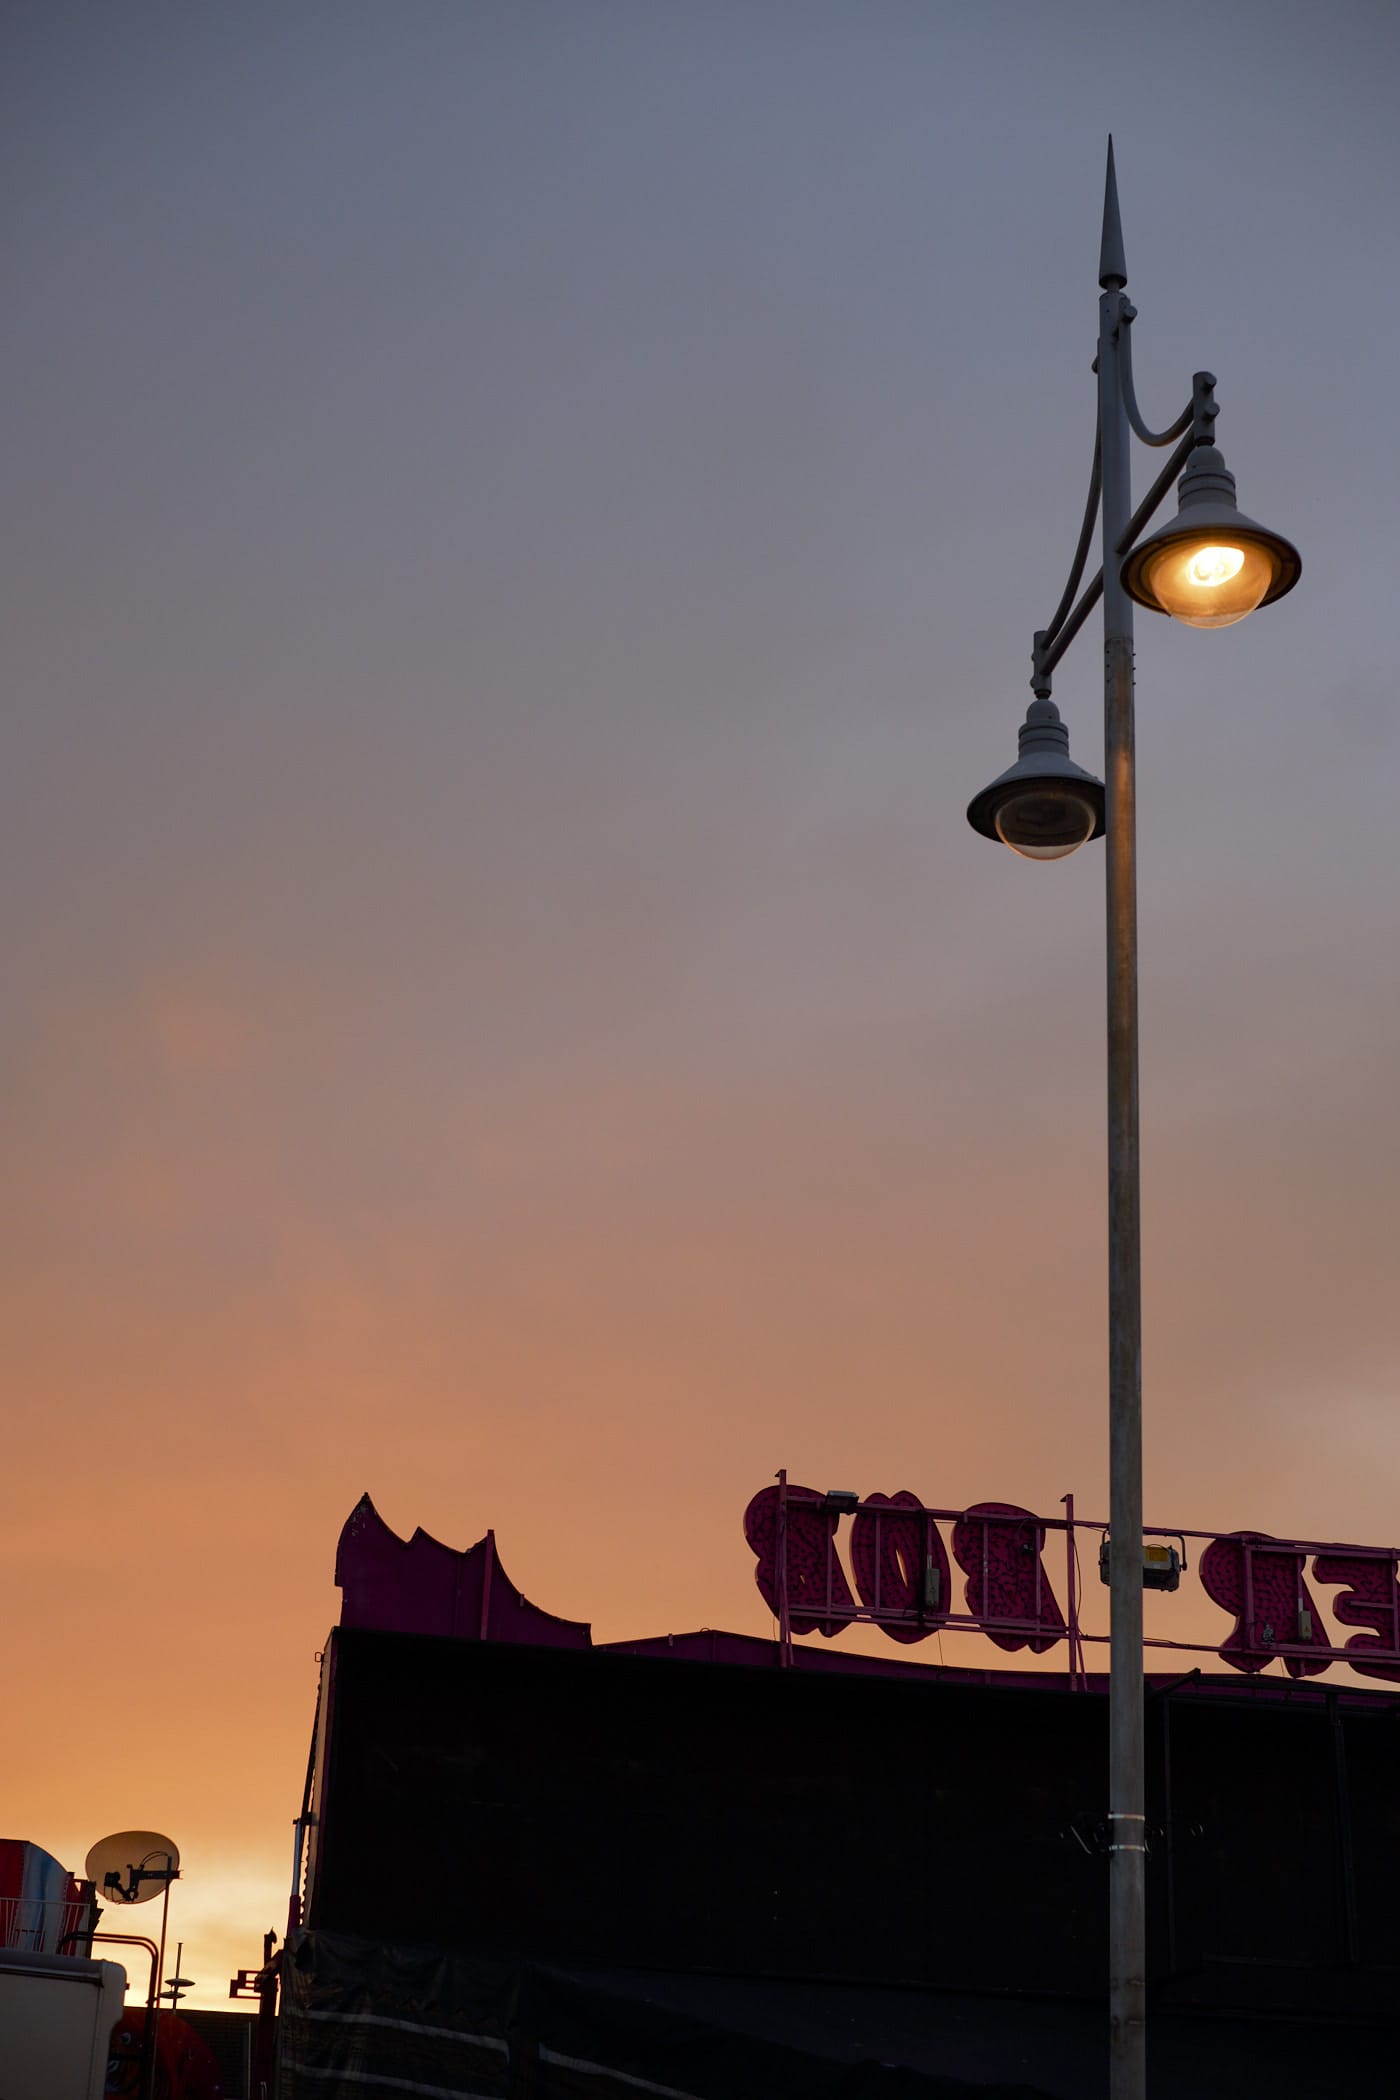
1188 414
1081 554
1201 416
1194 426
1152 501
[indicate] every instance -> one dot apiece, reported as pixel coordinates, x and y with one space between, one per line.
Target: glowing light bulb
1209 585
1212 566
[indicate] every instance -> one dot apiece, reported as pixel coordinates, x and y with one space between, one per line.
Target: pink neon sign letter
1261 1582
1006 1577
892 1557
1372 1599
818 1594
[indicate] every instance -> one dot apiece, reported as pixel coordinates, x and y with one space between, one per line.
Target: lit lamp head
1045 805
1211 565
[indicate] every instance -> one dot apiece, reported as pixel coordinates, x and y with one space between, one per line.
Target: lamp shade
1045 805
1211 565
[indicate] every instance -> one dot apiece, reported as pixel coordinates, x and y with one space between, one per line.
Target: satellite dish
132 1866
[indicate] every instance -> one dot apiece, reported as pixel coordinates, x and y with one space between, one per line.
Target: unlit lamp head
1045 821
1045 805
1211 565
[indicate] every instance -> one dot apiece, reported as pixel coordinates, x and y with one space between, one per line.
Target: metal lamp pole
1209 567
1127 1783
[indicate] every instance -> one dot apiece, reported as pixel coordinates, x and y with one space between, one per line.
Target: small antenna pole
148 2068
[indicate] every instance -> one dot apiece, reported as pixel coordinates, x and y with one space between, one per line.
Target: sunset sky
524 528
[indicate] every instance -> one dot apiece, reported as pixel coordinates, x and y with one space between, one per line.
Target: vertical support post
784 1615
1169 1828
1076 1650
488 1563
299 1826
1127 2013
265 2034
1350 1935
151 2032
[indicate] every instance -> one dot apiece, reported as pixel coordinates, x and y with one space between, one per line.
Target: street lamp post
1209 567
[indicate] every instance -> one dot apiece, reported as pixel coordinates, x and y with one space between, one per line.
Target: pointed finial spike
1113 267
